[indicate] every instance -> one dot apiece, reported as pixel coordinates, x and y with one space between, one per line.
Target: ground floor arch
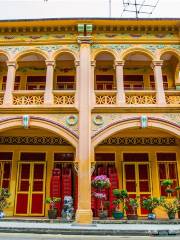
27 159
139 160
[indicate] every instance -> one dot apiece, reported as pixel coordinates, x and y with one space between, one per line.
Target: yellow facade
73 91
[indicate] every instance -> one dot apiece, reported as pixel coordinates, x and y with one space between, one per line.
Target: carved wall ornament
98 120
76 166
93 166
72 120
25 121
144 121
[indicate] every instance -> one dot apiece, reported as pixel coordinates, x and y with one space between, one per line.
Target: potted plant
100 183
4 194
170 206
131 205
178 198
120 196
150 204
167 183
52 212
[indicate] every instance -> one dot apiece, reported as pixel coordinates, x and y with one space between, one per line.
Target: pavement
126 228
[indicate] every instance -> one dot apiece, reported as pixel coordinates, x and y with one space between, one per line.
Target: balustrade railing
105 97
141 97
64 98
173 97
1 98
28 97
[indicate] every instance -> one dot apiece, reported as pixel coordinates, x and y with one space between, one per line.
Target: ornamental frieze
102 120
47 48
120 47
126 141
35 140
52 48
69 121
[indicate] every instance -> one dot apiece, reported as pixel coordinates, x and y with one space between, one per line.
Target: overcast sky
24 9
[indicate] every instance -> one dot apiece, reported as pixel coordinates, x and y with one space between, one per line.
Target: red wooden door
30 190
137 181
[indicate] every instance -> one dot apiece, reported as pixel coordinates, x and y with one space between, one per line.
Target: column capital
119 63
50 63
84 39
93 63
12 63
157 63
77 63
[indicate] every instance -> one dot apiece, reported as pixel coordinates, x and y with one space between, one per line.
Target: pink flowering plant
99 183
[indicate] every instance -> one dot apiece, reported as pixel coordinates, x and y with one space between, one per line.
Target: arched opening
138 160
65 72
105 72
169 70
137 71
28 160
31 72
3 75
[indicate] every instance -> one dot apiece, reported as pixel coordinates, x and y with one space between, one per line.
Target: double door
30 189
137 181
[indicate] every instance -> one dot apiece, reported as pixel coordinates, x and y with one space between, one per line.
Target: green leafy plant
52 202
171 207
131 203
4 194
120 195
167 183
151 203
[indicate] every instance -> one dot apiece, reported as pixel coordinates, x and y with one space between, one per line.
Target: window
32 156
36 82
5 169
133 82
135 157
104 82
65 83
152 82
167 168
103 157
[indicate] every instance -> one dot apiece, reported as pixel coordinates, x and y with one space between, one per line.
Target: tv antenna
139 6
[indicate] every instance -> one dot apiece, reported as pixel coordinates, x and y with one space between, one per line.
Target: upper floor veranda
132 65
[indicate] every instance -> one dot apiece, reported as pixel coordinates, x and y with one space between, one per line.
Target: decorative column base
84 216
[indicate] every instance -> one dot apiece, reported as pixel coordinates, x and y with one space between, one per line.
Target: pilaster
11 73
120 83
77 65
160 94
93 99
84 212
48 95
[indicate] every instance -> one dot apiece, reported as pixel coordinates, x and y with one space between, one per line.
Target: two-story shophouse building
88 97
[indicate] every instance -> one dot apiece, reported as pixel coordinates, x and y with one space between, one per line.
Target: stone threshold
95 221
